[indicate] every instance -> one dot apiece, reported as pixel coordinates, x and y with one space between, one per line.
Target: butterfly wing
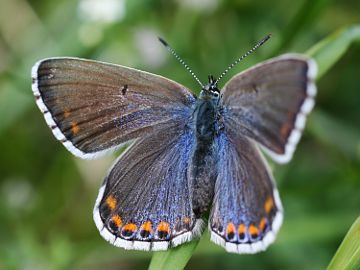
93 107
145 202
246 212
270 102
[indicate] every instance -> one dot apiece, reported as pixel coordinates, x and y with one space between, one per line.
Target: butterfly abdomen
203 172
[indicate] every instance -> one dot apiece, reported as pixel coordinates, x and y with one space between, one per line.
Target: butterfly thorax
203 172
206 112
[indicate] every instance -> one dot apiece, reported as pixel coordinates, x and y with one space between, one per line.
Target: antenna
261 42
167 46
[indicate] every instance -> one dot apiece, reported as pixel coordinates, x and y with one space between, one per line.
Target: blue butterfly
190 157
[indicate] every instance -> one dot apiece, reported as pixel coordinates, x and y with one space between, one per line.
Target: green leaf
348 255
173 259
328 51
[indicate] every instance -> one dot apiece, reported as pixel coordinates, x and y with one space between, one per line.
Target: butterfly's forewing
145 199
246 212
93 107
270 102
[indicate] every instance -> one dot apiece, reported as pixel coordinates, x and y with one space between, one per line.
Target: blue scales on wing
145 199
246 212
188 156
266 104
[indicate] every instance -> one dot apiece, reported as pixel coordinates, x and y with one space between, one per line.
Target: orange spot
75 128
253 230
230 229
147 226
66 113
284 130
269 204
111 202
130 227
117 220
186 220
163 227
242 228
262 224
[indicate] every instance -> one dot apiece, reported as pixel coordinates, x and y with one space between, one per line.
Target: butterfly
191 159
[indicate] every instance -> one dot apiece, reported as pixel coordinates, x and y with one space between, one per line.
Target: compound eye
215 93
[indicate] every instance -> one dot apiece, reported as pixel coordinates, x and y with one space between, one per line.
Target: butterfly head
211 90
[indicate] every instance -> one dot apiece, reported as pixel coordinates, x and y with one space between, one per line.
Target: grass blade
173 259
308 13
348 255
328 51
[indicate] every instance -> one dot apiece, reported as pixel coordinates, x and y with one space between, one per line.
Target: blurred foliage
47 195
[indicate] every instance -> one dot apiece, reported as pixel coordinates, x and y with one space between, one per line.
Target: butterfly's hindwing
145 201
93 107
270 102
246 212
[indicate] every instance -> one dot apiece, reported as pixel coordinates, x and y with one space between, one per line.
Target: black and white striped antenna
167 46
261 42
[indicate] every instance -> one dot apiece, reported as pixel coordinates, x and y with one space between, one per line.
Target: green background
47 195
